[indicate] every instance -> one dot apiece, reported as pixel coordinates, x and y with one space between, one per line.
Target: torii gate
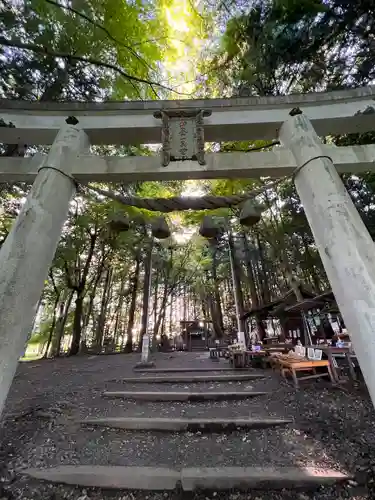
345 246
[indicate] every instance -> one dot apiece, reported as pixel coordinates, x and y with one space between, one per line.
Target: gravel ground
331 428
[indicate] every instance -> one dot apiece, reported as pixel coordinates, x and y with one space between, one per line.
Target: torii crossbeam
236 119
277 163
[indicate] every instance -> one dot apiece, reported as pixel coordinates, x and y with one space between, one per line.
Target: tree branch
50 274
153 40
69 281
87 60
104 29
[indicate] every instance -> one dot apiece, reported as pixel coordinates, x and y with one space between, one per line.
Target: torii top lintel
133 122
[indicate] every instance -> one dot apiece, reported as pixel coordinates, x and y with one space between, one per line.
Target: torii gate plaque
182 135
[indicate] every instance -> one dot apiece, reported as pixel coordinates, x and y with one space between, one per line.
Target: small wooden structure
196 334
293 326
307 320
318 311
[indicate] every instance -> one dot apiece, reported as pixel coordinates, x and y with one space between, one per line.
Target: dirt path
331 428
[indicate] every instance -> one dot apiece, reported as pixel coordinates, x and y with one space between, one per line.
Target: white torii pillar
27 253
345 246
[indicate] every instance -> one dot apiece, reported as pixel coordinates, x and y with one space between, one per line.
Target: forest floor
331 428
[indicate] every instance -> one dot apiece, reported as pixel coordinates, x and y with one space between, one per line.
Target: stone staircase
189 429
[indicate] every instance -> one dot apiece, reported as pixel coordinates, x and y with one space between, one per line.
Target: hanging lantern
119 223
159 228
250 213
209 227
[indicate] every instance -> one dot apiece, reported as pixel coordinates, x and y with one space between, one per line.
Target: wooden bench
292 367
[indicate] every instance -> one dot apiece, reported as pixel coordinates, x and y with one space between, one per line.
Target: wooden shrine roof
280 304
326 298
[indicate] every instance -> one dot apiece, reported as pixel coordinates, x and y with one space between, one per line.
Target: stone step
189 479
183 396
144 366
184 424
243 478
187 370
110 477
191 379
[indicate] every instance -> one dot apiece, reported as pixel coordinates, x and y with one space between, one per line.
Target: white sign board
145 348
241 338
335 326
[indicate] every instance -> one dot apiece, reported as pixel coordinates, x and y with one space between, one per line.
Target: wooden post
144 334
234 282
27 253
344 244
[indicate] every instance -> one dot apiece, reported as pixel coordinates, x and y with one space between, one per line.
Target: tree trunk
146 292
265 288
77 323
156 291
237 284
162 310
98 342
184 304
163 323
53 324
215 324
171 313
119 310
93 293
204 307
216 305
133 302
60 325
155 311
253 292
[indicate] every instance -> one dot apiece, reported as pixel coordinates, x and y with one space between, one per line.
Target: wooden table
280 345
283 348
255 354
293 366
240 359
330 351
